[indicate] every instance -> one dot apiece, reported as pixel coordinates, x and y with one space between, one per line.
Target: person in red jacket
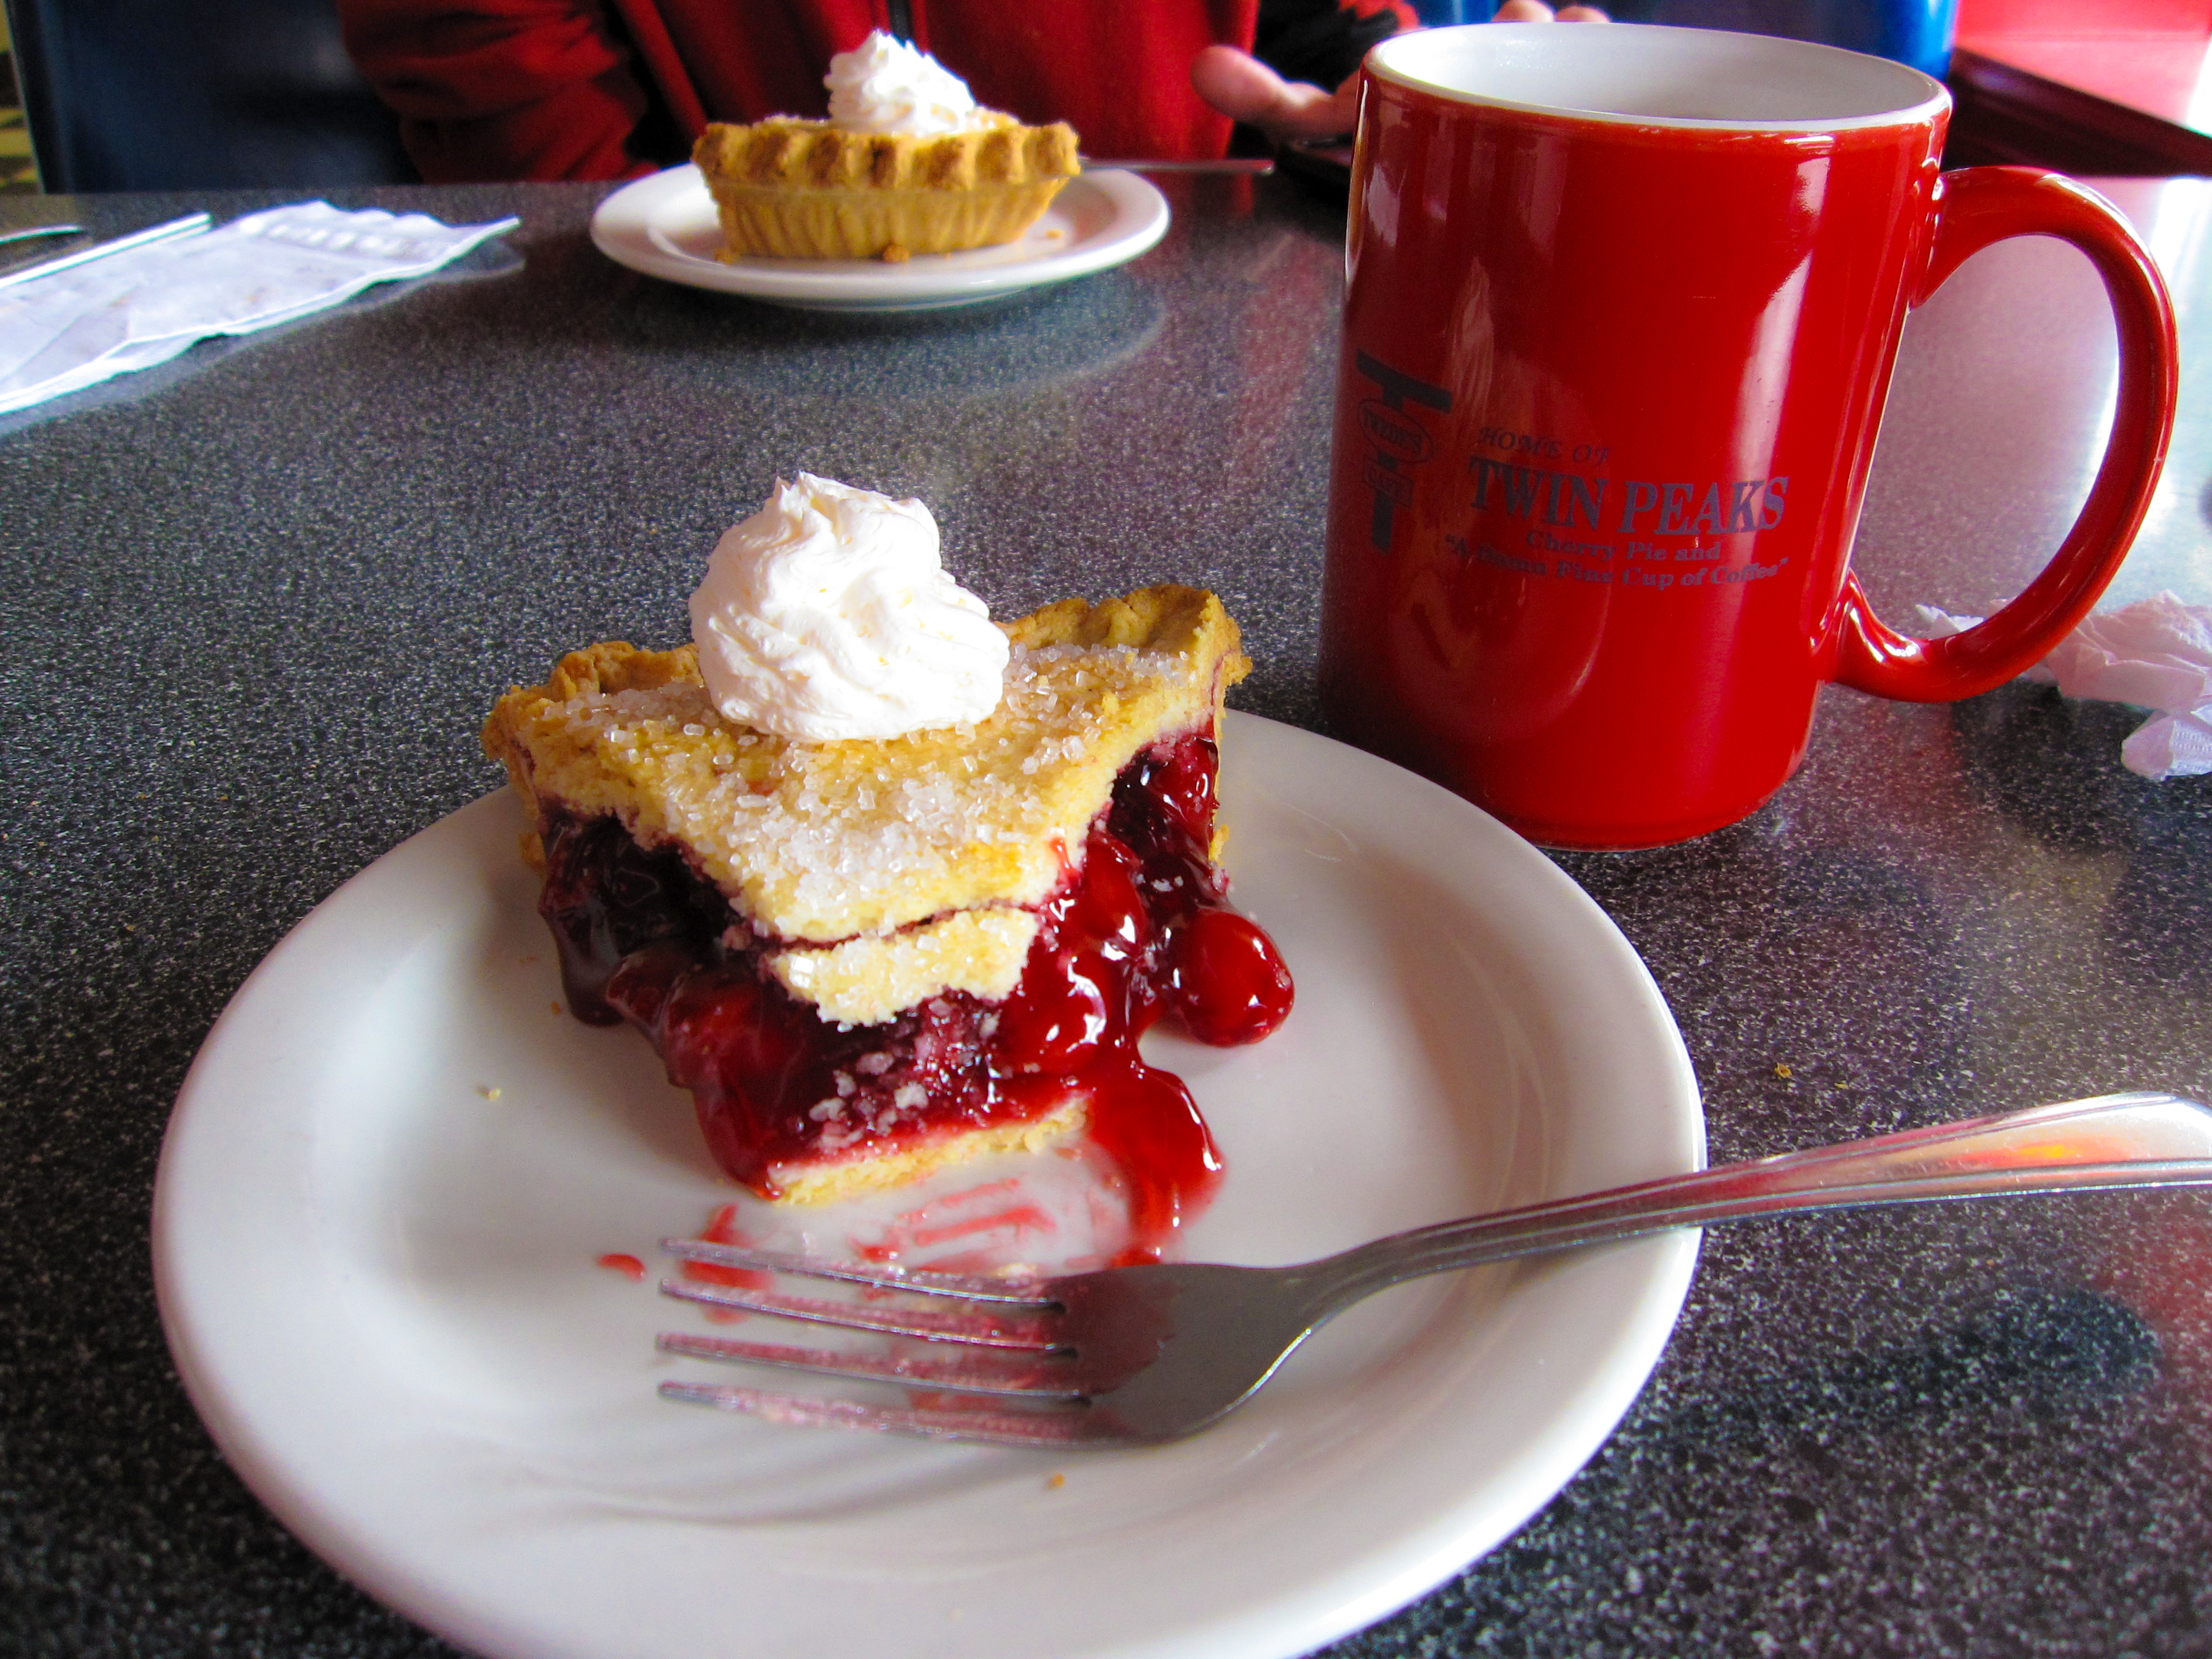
508 89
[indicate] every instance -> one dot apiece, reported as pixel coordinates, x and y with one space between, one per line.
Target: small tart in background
807 190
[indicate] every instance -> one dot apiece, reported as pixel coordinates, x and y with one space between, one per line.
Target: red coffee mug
1622 308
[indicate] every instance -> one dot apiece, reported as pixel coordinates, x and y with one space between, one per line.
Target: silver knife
1257 166
37 231
191 225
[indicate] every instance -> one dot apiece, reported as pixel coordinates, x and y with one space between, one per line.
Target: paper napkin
142 306
2156 653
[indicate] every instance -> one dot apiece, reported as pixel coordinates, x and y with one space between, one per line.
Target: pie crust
878 872
806 190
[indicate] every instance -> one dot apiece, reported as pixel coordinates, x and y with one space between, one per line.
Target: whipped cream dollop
887 85
829 615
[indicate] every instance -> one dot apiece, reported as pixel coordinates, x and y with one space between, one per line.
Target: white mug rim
1384 62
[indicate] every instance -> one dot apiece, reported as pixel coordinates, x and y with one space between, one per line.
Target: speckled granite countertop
258 600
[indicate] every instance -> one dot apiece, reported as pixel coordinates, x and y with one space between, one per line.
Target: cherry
1056 1019
605 898
1105 910
1226 979
1177 780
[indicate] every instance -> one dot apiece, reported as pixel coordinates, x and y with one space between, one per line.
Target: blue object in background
197 94
1915 32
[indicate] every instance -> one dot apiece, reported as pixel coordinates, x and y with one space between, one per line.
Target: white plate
665 226
378 1283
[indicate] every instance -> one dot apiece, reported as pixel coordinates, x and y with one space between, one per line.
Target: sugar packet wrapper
143 306
2156 653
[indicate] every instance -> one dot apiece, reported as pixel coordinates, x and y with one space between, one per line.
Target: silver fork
1133 1356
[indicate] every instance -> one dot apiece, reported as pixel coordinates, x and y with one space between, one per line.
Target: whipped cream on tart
868 957
906 164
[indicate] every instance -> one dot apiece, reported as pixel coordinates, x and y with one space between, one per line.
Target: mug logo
1397 439
1392 432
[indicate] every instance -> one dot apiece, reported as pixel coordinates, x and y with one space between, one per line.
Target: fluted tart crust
793 189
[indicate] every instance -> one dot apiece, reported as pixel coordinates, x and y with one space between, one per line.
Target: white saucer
665 226
395 1161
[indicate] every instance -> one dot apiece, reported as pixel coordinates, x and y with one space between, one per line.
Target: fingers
1535 11
1245 89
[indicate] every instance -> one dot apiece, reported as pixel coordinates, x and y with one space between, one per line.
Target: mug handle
1975 208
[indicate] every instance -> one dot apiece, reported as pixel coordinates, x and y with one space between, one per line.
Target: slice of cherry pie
868 958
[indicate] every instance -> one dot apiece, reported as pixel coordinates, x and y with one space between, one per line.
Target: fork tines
1042 1428
1027 1292
1041 1376
1027 1323
1013 1323
1032 1334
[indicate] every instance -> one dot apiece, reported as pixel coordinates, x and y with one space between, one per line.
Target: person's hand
1245 89
1535 11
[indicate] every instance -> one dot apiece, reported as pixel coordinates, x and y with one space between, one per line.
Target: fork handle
2148 1139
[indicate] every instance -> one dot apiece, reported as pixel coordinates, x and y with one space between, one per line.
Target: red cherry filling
1229 984
1141 924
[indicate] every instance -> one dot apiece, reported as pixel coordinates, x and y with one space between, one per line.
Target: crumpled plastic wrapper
143 306
2156 653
